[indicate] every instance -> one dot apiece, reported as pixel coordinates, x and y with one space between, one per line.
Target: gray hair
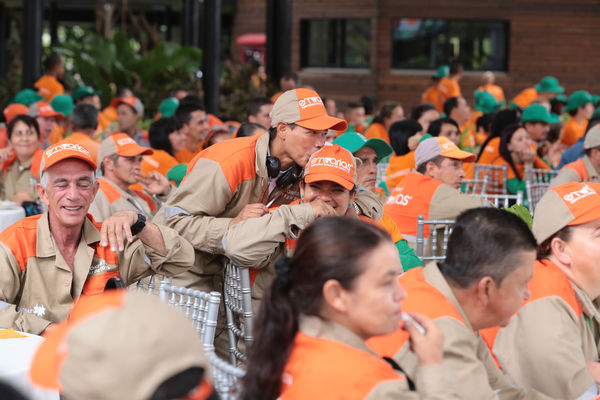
44 178
84 116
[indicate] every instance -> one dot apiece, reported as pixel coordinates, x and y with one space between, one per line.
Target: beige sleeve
369 203
252 242
138 260
542 348
11 280
192 209
100 207
565 175
448 202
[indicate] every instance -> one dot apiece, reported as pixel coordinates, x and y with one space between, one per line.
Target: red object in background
252 45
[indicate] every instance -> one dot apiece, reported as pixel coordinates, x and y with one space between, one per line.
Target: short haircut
27 120
255 104
248 128
352 106
435 127
421 109
291 75
84 116
186 107
456 67
369 104
159 132
484 122
51 61
450 104
437 160
485 242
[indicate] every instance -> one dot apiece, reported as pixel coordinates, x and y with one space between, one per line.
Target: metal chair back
226 379
535 191
502 200
439 232
149 284
497 177
237 293
538 175
474 186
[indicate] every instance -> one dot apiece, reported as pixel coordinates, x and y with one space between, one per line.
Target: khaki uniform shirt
37 287
19 178
465 352
111 198
568 174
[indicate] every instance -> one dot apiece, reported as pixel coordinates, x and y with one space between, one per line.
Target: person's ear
485 289
42 194
283 130
335 296
561 252
431 169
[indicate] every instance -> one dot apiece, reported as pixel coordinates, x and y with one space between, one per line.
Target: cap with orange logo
117 345
122 145
62 151
131 101
305 108
440 146
331 163
13 110
573 203
42 109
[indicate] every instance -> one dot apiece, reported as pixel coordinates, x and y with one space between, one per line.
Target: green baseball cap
353 142
578 99
596 113
63 104
485 102
26 97
538 113
549 84
595 99
177 173
83 92
168 107
442 72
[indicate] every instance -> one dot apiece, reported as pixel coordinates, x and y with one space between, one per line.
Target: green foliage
240 83
522 212
106 64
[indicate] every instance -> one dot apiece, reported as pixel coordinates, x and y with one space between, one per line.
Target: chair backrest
497 177
535 191
538 175
149 284
474 186
201 308
501 200
237 293
440 231
382 167
226 379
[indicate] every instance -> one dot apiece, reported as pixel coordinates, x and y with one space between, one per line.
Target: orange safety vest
422 297
323 368
525 97
35 163
398 167
579 167
412 197
377 131
112 194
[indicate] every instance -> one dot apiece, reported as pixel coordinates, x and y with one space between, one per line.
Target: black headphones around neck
289 177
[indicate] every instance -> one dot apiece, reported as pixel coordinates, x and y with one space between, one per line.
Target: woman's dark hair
180 385
385 112
399 134
435 127
500 121
159 132
505 139
27 120
330 248
421 109
484 122
485 242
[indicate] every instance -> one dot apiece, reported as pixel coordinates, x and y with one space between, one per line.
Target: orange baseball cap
440 146
131 101
331 163
122 145
305 108
13 110
43 109
62 151
573 203
128 343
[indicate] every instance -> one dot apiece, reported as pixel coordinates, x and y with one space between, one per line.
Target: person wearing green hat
580 107
84 94
485 102
536 120
544 91
557 104
370 152
167 108
63 104
432 94
26 97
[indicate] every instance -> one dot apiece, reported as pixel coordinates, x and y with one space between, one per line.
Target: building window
335 43
429 43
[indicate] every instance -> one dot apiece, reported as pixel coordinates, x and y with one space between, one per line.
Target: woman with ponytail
339 289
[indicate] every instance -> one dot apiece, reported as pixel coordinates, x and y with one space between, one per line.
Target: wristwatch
139 224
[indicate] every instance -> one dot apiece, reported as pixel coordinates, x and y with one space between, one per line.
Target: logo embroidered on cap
331 162
577 195
309 102
448 146
66 146
124 141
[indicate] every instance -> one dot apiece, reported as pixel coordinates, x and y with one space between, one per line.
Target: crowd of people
342 305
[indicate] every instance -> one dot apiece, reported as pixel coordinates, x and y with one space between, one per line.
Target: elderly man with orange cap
48 260
120 160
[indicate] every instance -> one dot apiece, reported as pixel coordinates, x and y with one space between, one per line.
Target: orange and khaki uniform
398 168
465 353
377 131
159 161
87 142
37 286
525 97
581 170
185 156
48 86
546 345
572 131
330 361
15 177
111 198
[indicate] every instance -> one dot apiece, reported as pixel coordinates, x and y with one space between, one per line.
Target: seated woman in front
339 289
